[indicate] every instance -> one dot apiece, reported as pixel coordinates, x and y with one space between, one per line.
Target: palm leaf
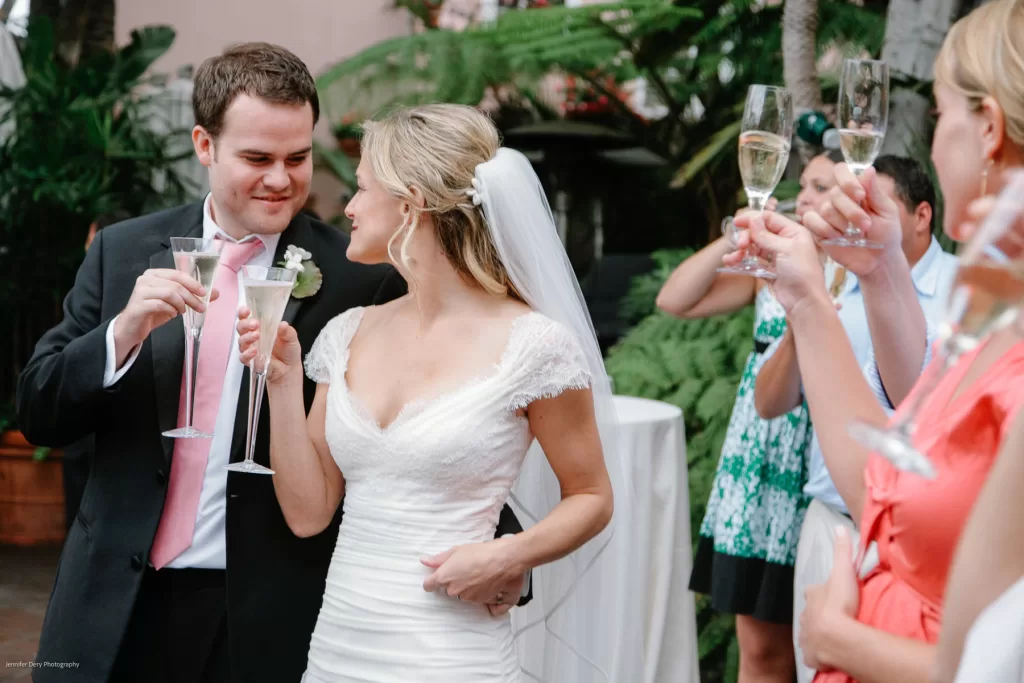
722 140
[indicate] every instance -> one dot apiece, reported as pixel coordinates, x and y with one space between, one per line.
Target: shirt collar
924 273
212 230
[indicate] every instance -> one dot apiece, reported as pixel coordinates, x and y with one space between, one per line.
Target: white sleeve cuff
111 375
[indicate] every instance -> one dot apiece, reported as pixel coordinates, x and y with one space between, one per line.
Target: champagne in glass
267 291
860 148
986 296
863 116
763 155
763 159
197 258
200 267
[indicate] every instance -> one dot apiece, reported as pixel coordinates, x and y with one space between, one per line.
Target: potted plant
348 134
81 143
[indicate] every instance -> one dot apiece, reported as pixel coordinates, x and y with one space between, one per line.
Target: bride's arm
307 481
566 429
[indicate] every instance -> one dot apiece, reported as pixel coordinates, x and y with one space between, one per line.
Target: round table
653 435
636 608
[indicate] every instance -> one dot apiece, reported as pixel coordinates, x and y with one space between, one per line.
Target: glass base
757 271
187 433
894 447
858 242
248 467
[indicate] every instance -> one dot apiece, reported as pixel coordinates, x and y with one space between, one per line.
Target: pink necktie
188 466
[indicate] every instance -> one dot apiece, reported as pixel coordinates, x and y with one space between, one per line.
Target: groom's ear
203 143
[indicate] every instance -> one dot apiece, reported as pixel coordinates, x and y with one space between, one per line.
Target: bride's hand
476 573
286 356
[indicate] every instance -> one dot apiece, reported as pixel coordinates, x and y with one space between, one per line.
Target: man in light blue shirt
778 387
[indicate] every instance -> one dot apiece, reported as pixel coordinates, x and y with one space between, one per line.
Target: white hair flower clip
474 193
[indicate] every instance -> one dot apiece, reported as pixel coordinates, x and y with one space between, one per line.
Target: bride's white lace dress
436 477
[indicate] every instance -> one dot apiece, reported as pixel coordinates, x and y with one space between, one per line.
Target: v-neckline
362 410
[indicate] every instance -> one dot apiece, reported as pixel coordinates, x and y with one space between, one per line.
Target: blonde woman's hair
983 55
436 149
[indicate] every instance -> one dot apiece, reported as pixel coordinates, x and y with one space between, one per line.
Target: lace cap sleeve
325 353
552 362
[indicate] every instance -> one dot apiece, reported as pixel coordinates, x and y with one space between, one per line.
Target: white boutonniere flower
308 277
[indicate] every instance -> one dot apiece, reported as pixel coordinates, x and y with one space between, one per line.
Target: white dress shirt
208 549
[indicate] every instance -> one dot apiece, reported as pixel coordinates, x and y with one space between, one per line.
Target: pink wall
320 32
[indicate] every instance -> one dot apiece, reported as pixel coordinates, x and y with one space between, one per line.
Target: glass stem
257 382
193 333
851 229
754 203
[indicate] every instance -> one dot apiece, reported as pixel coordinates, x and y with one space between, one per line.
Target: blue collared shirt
933 276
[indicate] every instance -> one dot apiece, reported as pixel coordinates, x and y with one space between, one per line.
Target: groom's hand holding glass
159 296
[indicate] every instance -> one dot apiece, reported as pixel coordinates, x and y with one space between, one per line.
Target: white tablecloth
645 583
652 433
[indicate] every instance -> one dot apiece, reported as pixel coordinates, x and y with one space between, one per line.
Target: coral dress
917 523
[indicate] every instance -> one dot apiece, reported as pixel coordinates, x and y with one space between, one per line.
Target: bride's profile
427 407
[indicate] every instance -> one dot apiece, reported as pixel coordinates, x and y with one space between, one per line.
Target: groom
175 570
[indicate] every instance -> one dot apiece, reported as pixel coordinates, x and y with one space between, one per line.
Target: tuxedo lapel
300 234
167 345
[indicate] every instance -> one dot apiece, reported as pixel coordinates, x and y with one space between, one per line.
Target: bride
427 407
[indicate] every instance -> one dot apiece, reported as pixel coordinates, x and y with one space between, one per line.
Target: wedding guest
982 636
882 625
778 387
747 546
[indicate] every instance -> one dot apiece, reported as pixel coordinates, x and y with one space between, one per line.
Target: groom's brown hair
269 72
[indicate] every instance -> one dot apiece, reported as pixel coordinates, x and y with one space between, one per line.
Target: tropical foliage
697 58
81 143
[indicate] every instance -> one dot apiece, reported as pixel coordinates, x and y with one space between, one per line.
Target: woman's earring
984 176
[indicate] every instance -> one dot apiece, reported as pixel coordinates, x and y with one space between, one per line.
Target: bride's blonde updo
436 149
983 55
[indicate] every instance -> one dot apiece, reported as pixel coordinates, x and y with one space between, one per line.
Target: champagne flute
197 258
985 297
266 295
763 155
863 116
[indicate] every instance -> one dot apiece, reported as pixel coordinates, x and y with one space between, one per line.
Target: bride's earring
984 176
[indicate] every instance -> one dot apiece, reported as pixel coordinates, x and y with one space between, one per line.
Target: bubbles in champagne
860 147
763 158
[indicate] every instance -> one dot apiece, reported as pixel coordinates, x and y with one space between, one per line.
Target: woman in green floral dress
749 535
748 539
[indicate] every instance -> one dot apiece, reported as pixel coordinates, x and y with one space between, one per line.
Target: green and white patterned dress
748 539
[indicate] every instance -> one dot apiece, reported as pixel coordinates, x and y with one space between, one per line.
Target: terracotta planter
31 494
350 146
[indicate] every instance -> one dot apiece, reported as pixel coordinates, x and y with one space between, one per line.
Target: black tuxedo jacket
275 580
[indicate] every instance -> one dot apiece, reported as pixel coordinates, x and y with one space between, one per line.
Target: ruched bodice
436 477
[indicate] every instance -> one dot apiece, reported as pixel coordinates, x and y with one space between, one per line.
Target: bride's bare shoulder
512 308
